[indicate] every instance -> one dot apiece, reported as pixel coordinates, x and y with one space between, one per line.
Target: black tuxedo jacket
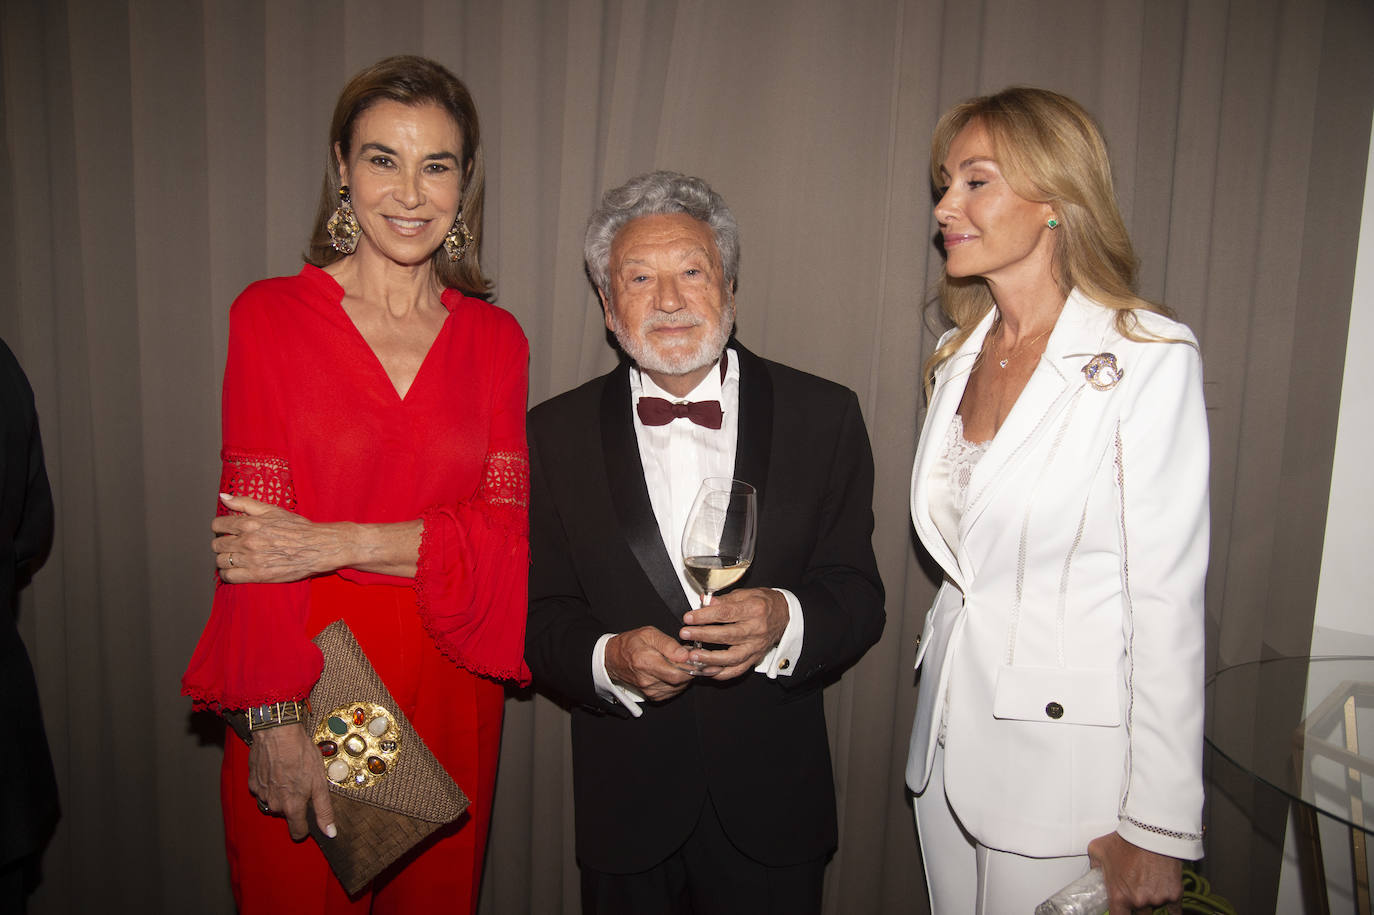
758 746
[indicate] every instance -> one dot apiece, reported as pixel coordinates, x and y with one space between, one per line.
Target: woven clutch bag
387 789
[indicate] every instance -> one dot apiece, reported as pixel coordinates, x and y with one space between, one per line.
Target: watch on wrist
261 717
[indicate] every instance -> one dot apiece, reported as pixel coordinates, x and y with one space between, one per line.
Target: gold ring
231 560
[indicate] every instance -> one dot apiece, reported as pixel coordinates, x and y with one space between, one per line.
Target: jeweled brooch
1102 371
359 744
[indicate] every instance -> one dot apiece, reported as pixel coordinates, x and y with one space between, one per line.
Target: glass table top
1304 726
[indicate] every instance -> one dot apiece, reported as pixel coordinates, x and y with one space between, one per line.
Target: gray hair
653 194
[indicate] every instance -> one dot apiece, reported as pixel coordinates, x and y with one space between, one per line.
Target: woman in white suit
1061 483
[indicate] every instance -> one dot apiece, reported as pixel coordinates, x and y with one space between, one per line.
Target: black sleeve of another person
28 793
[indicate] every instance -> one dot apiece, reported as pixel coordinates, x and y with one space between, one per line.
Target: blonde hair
413 81
1051 151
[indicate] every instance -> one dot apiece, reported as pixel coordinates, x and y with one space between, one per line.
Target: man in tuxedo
701 776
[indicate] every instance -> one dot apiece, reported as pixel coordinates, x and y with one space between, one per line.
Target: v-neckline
402 399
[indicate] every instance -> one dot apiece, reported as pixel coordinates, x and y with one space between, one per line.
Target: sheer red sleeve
254 649
473 569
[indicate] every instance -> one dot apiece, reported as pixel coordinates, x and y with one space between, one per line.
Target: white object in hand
1085 896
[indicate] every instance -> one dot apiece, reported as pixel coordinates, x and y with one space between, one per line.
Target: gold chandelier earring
343 227
458 239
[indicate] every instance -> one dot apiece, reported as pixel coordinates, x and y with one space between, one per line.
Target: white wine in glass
718 541
709 574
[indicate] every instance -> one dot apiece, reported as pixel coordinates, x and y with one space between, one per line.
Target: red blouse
312 423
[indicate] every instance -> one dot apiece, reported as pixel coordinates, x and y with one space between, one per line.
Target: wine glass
718 541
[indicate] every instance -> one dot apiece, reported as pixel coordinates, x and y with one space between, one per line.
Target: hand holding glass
718 541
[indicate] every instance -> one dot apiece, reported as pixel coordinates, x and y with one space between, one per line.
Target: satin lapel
754 438
625 475
1049 391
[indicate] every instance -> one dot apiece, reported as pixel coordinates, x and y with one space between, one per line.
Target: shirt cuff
608 689
782 657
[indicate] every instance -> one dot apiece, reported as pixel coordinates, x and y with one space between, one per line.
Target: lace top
950 481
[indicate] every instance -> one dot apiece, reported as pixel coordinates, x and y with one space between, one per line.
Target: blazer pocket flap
1058 695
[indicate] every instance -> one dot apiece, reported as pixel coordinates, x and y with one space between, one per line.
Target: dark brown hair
409 80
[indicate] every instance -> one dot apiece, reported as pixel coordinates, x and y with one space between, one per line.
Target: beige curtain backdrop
160 155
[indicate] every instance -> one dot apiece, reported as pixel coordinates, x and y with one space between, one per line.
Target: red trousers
458 715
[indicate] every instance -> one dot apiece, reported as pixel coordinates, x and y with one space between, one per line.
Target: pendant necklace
1002 363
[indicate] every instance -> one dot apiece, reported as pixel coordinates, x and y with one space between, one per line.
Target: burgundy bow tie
655 411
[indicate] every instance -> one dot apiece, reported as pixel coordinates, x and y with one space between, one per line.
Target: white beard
674 360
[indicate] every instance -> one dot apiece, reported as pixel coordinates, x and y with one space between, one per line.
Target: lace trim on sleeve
506 479
504 495
257 475
470 586
204 699
1169 833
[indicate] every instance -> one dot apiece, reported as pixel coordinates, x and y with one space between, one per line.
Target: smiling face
989 230
405 179
668 304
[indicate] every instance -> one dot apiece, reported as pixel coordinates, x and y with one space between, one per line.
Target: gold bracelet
261 717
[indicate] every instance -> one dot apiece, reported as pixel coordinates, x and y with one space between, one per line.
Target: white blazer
1067 637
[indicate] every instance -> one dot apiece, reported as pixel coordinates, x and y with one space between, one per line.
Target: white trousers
966 878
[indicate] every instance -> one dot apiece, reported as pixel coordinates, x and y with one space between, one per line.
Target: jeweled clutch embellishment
383 806
359 744
1102 371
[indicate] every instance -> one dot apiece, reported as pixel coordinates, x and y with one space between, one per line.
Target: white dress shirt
676 457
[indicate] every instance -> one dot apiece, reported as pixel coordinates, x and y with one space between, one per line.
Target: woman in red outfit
377 396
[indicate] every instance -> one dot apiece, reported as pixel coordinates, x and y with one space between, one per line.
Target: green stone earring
1052 223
